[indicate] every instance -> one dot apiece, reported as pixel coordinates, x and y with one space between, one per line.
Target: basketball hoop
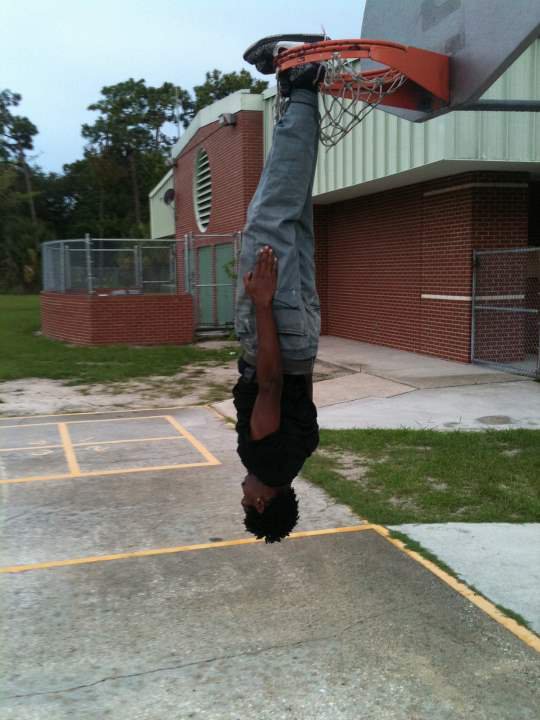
398 75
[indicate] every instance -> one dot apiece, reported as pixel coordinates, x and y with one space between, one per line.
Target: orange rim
428 70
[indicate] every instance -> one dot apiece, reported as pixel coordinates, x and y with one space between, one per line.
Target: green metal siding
501 135
161 215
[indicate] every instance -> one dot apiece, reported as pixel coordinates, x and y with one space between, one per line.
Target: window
202 190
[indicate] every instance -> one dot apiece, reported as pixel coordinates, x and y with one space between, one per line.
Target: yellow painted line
97 442
219 414
37 478
78 422
528 637
69 452
172 550
99 473
193 440
30 447
131 440
96 412
117 420
26 425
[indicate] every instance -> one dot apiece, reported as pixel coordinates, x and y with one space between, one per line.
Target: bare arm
261 285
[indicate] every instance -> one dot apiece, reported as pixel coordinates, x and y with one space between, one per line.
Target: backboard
482 38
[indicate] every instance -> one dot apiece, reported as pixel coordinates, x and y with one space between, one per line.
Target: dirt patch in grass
40 376
216 392
511 453
436 485
195 384
192 386
349 465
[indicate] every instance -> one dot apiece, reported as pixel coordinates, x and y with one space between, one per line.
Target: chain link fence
118 267
506 310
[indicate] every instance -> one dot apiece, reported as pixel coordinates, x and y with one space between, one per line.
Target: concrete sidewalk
389 388
408 368
501 560
427 392
501 406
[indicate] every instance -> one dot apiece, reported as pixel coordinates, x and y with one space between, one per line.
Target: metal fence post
44 266
192 261
67 268
187 276
237 246
137 261
473 304
89 276
172 266
62 267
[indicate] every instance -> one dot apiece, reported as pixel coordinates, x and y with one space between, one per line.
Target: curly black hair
278 519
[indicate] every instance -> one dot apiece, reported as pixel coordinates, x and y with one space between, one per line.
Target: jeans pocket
289 313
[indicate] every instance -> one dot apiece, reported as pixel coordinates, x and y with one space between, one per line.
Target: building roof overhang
237 102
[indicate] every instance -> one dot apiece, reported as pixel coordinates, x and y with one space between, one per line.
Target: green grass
406 476
24 354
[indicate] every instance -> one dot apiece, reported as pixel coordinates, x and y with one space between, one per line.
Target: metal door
210 276
205 287
224 289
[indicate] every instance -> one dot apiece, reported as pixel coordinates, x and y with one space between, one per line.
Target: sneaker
261 54
284 45
302 77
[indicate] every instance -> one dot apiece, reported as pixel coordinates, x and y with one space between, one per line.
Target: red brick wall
386 250
126 319
235 154
374 269
66 317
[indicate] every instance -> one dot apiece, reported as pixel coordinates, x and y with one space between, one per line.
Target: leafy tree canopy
16 131
218 85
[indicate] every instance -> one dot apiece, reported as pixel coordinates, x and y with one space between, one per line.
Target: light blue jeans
281 215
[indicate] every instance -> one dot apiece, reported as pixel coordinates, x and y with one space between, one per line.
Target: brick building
399 210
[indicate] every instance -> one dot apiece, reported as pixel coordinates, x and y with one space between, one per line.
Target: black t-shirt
278 457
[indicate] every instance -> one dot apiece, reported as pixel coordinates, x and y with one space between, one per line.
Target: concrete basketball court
130 590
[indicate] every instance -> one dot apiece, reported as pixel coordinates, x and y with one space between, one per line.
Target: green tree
16 140
218 85
130 127
20 237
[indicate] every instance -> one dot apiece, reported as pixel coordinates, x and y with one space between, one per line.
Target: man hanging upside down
277 306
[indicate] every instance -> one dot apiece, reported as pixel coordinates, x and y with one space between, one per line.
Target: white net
348 96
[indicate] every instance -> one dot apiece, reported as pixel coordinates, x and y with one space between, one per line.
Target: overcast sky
58 54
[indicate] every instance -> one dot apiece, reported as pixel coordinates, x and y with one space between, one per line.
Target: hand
260 284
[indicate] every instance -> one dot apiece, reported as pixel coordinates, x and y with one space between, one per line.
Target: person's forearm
269 369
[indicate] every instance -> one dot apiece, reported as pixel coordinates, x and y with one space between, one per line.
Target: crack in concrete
207 661
18 516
